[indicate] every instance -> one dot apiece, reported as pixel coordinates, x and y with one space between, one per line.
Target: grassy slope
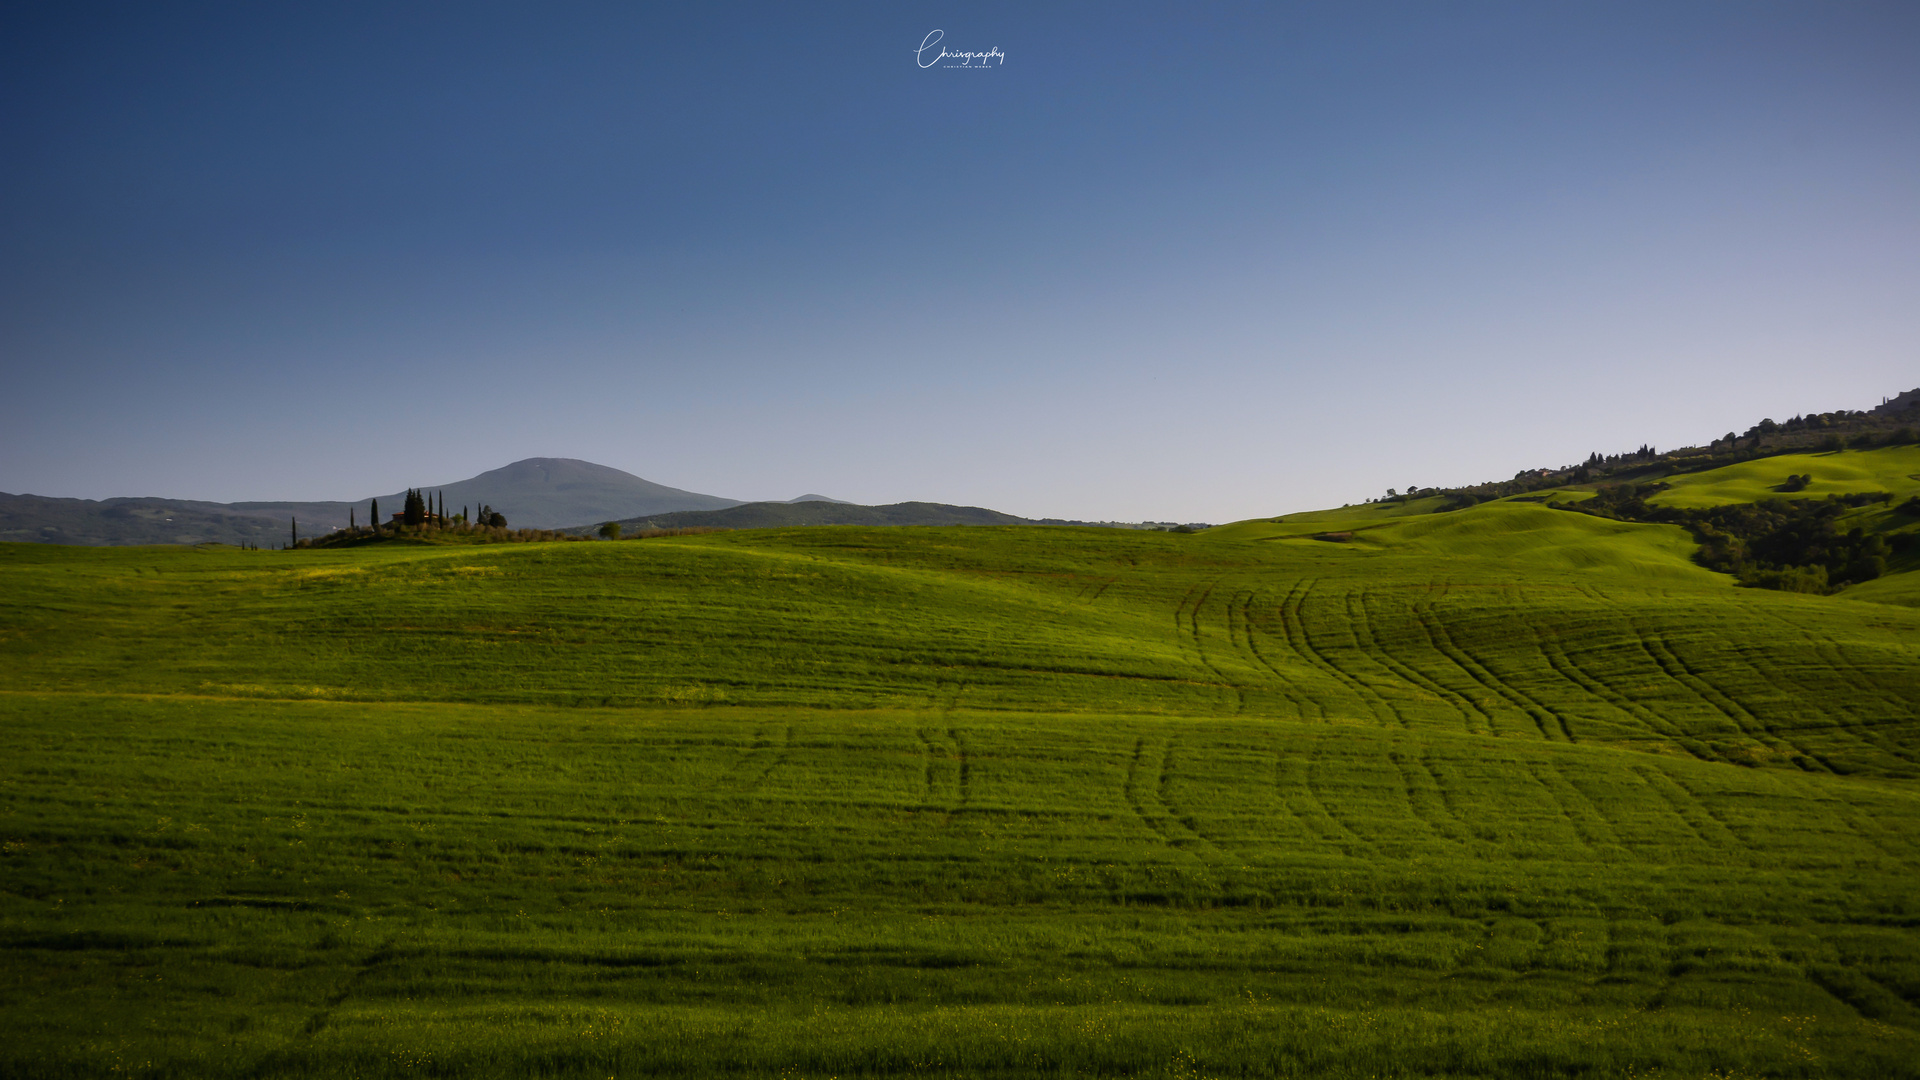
1502 791
1892 469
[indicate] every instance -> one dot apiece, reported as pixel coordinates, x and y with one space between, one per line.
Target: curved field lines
1718 678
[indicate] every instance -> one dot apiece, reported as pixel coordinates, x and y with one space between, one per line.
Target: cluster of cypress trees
423 507
420 508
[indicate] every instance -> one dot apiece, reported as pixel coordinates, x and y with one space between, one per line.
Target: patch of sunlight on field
1890 469
1313 522
1535 536
1900 588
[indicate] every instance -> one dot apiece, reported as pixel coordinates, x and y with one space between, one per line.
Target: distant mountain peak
556 492
819 498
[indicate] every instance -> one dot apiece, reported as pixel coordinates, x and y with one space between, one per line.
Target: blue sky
1163 262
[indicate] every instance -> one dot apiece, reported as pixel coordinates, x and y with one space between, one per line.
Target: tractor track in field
1375 700
1240 634
1592 687
1480 673
1473 707
1189 627
1559 801
1445 791
1278 784
1248 630
1786 732
1163 790
1706 807
1300 637
1290 786
1834 655
1593 809
1845 719
1358 624
1160 816
1443 645
1091 592
1674 666
1294 784
1865 826
1658 781
1528 702
1327 808
1570 671
1602 691
1683 674
1364 622
1665 669
380 955
1418 797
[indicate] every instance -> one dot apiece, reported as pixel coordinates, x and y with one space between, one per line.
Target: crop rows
1014 802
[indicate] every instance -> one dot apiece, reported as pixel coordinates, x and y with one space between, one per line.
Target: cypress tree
351 527
375 515
295 527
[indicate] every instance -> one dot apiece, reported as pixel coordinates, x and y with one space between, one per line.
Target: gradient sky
1164 262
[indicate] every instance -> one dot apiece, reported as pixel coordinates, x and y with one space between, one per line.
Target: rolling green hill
1503 791
1893 469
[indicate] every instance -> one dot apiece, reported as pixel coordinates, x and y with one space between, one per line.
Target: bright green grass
1890 469
1509 791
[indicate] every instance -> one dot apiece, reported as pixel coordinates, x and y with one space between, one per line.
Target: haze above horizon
1205 266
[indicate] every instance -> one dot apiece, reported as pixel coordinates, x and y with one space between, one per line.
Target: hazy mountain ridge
774 515
47 520
541 493
556 493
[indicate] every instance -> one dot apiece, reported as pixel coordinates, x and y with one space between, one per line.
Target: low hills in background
573 495
539 493
536 493
772 515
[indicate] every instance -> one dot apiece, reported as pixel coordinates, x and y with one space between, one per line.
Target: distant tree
415 511
373 515
610 530
350 523
294 525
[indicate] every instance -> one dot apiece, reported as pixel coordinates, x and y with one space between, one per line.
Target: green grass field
1508 791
